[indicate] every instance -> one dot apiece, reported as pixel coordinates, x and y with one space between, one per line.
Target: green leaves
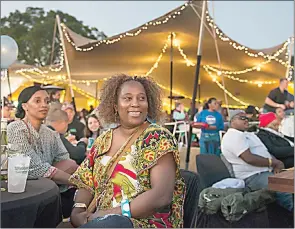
33 32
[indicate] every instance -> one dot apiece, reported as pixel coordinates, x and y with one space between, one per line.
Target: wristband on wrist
125 205
125 208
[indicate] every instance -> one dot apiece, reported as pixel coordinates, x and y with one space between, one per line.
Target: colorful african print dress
131 175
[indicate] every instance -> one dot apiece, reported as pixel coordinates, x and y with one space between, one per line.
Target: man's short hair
283 79
55 115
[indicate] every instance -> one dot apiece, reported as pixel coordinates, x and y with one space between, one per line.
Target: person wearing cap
75 127
49 157
58 120
276 143
278 97
250 159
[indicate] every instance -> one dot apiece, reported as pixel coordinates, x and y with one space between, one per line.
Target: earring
116 114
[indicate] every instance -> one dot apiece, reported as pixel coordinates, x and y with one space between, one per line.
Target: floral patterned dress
131 175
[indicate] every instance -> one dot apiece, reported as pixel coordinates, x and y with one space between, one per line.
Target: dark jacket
278 147
77 153
77 128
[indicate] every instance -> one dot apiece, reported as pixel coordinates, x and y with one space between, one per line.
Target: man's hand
277 165
85 140
71 139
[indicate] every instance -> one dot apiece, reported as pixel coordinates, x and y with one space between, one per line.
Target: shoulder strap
130 142
30 136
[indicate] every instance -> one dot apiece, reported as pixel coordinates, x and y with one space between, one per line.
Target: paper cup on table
18 169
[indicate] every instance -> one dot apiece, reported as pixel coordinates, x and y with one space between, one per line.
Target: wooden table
282 182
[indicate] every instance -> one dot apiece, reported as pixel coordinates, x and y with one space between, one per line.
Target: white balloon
9 51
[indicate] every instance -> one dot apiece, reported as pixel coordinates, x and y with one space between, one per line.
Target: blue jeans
109 221
260 180
210 143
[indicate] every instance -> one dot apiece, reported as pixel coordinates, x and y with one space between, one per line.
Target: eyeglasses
243 118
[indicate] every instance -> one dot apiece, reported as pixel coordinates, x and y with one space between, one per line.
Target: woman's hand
79 218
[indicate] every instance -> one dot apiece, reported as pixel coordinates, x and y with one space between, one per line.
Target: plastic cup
18 169
90 143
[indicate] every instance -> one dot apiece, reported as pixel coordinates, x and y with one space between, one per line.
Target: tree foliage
33 32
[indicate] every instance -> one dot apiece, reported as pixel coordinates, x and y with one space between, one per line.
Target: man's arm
271 103
259 161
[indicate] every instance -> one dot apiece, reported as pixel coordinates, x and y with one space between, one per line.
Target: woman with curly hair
131 177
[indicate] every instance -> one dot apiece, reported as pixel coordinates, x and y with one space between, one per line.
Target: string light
254 68
156 64
224 38
230 94
219 73
171 15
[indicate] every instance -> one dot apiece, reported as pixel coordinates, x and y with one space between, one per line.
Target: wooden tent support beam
66 60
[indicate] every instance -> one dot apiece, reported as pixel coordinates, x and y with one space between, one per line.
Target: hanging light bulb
219 73
258 68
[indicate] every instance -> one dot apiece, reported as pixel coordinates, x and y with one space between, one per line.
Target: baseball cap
267 118
234 113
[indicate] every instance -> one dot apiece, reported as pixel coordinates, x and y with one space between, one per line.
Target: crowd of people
115 166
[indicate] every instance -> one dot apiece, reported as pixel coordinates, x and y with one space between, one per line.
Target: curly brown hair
109 97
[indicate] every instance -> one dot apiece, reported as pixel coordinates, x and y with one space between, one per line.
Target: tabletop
38 206
282 182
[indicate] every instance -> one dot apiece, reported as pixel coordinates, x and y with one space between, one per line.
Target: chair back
211 169
191 199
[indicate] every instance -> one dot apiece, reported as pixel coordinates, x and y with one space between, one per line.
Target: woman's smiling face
132 105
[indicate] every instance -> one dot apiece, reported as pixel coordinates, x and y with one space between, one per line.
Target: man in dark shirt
278 97
75 127
58 120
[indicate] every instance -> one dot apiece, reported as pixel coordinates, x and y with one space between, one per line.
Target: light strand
110 41
255 82
224 38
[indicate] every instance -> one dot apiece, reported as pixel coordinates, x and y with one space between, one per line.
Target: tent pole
193 108
53 42
66 61
171 71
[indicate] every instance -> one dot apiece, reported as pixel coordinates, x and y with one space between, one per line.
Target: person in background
278 98
250 158
91 109
178 113
280 114
76 129
211 122
58 120
49 157
6 110
276 143
251 113
93 127
83 116
131 177
55 95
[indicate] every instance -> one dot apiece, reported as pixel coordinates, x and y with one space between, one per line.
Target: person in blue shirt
211 122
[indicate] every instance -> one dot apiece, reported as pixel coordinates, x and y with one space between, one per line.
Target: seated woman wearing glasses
131 177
